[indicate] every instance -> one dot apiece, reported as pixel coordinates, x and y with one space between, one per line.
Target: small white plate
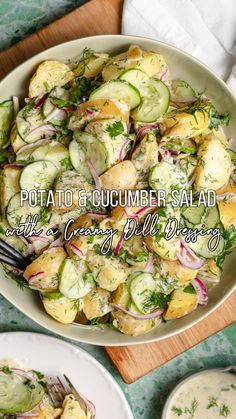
54 357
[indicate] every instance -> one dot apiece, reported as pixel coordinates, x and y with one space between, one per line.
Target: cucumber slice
6 118
26 122
180 89
120 90
212 217
54 152
141 287
94 149
193 215
14 240
16 214
138 79
52 295
74 279
78 160
184 145
38 175
200 247
18 395
165 176
133 308
155 104
232 154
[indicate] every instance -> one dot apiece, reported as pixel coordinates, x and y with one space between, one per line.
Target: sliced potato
145 154
49 74
121 296
9 185
185 125
227 213
166 249
214 165
176 271
96 303
109 272
181 304
131 326
121 176
90 66
61 309
49 264
72 409
150 62
96 109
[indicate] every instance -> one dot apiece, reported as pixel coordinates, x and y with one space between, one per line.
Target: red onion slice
164 75
95 175
41 101
152 315
188 258
45 128
76 250
119 245
122 153
145 129
201 291
150 263
37 275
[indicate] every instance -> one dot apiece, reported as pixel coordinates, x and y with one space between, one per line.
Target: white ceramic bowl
181 386
181 66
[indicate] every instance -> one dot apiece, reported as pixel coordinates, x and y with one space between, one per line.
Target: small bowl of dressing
209 394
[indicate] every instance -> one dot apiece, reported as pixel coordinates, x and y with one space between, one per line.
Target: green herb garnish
230 240
115 129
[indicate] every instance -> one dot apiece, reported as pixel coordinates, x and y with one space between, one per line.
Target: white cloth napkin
205 29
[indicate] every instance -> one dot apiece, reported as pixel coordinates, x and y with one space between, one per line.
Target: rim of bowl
130 39
231 369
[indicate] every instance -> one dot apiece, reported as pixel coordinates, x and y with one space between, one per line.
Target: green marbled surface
18 18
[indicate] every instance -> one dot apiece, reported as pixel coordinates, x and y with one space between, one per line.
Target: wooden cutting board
104 17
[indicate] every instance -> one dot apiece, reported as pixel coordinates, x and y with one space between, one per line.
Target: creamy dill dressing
208 395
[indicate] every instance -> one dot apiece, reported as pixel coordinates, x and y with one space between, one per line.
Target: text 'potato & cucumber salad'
117 123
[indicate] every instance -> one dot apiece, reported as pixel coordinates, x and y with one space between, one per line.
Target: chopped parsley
142 256
66 163
190 289
6 370
115 129
79 90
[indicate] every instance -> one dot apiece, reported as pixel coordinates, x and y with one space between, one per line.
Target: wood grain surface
104 17
96 17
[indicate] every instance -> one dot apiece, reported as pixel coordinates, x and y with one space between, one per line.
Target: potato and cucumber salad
116 122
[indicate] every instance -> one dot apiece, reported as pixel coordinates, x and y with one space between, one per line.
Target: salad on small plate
43 377
116 123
